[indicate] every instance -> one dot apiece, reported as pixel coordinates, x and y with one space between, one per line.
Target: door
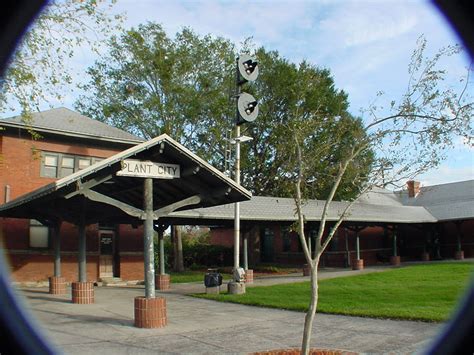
267 244
106 258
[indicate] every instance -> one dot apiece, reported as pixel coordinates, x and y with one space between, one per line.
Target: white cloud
445 174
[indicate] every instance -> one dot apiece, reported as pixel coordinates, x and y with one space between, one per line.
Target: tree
292 95
410 139
150 84
41 70
184 86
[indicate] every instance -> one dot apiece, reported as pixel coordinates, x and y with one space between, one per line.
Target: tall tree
292 95
151 84
412 138
185 86
42 69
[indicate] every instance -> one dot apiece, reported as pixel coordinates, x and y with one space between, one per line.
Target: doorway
267 244
106 253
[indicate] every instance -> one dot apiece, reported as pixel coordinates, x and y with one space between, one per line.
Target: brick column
162 282
357 264
306 270
249 276
150 312
425 256
57 285
459 255
82 292
395 260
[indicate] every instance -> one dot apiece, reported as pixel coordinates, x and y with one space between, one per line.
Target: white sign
149 169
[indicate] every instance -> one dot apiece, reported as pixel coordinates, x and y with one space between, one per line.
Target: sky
365 44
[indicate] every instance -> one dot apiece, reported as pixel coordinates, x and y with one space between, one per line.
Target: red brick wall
20 163
38 267
222 236
132 267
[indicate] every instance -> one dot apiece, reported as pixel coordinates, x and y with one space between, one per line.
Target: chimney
413 188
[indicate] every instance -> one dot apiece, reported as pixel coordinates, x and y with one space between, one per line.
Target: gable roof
445 202
62 200
70 123
453 201
274 209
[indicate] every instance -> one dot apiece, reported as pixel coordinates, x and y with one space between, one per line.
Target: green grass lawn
424 292
192 276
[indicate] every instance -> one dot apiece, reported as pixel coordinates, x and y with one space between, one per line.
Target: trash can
212 281
212 278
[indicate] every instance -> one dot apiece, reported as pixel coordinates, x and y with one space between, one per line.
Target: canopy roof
97 194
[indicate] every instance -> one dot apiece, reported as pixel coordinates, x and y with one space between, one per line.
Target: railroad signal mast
246 112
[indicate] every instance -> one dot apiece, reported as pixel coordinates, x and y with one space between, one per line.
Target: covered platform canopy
141 184
99 194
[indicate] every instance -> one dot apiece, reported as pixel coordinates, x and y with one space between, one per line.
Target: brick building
431 222
69 142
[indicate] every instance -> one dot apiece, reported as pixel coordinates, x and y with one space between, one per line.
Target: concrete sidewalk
198 326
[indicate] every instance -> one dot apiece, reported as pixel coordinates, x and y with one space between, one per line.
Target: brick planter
395 260
82 292
249 276
459 255
57 285
357 264
306 270
150 312
425 257
162 282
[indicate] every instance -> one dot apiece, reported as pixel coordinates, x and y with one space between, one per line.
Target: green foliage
302 97
151 84
41 69
184 86
425 292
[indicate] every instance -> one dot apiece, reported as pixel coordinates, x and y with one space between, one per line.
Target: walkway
201 326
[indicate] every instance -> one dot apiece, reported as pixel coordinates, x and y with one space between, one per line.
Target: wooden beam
87 185
164 211
98 197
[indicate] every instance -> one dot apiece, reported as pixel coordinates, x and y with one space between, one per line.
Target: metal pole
57 249
357 246
162 251
237 204
82 252
394 244
148 238
246 259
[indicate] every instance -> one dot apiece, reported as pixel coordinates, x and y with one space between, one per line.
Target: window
57 165
67 166
39 235
50 166
84 163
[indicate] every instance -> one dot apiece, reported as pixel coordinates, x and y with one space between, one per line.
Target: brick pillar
459 255
425 256
395 260
150 312
306 270
83 292
357 264
57 285
249 276
162 282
